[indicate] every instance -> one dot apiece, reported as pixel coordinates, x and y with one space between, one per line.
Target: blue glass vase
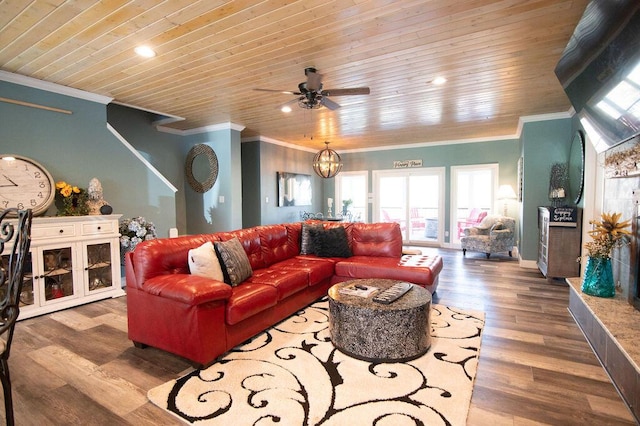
598 278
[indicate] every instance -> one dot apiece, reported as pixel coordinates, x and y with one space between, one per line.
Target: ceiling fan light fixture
327 163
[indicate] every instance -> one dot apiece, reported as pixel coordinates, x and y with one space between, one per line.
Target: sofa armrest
186 288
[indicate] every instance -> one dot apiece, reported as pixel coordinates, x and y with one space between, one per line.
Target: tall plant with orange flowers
607 233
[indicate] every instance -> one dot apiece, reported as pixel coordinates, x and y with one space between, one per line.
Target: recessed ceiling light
439 80
285 108
145 51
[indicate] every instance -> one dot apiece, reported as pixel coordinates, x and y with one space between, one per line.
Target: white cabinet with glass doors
73 260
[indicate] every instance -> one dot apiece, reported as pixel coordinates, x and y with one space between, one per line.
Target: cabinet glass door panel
26 295
99 271
57 273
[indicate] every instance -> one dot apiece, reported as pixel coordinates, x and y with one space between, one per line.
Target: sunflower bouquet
607 233
73 200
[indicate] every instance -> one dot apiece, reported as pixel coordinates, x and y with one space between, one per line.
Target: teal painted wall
505 153
220 208
77 147
260 163
163 150
543 144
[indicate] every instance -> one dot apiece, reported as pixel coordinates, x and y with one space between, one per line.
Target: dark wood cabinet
559 238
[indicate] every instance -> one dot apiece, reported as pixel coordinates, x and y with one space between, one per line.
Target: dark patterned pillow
306 245
235 263
330 242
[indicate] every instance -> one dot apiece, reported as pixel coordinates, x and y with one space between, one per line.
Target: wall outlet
635 196
221 199
446 233
266 200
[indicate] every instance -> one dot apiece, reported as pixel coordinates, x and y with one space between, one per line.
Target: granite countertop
619 318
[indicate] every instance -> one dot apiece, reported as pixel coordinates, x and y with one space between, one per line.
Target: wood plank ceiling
498 58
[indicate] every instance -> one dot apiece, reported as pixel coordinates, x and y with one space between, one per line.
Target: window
353 186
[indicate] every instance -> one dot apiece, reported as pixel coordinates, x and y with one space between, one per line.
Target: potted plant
607 234
345 206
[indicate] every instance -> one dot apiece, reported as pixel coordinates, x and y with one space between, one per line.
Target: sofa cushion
248 300
233 258
376 239
330 242
204 262
306 243
317 269
277 243
286 281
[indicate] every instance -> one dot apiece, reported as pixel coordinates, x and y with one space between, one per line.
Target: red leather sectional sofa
200 318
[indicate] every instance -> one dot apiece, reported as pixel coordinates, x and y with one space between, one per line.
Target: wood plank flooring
76 367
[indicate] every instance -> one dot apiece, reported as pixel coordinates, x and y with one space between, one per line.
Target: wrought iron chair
15 236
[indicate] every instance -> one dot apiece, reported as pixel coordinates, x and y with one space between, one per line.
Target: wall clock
25 184
201 168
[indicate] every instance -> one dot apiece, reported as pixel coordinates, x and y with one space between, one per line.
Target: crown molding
53 87
205 129
277 142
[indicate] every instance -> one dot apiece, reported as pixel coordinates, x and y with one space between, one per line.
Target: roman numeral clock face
25 184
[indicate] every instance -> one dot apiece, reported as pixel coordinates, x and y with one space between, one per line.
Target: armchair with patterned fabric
474 218
494 234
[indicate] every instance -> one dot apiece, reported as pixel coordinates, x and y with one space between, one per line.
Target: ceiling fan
310 94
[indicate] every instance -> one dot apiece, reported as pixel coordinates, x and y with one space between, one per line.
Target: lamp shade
327 163
506 192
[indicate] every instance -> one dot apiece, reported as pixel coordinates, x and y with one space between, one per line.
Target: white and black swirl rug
292 375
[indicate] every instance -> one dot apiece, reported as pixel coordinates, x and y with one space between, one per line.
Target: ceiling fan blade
344 92
286 92
314 80
329 103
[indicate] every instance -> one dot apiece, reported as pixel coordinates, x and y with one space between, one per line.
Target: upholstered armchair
493 235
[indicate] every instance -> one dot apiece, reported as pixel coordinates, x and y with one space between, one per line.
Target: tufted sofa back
264 245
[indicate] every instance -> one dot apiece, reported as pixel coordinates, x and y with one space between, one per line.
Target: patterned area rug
292 375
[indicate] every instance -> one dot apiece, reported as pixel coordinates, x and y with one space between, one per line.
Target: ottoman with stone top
372 331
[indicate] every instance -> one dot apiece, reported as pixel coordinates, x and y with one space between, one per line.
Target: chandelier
327 163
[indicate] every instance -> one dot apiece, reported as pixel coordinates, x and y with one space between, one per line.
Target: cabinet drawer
99 228
53 231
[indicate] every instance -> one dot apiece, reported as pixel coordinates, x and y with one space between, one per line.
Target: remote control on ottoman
393 293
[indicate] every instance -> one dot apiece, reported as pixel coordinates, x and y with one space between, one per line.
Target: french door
415 199
472 195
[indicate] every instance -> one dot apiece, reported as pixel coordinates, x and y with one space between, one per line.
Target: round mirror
576 167
201 167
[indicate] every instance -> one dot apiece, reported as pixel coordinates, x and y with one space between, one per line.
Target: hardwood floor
76 367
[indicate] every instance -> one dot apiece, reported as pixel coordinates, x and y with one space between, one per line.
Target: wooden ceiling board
498 57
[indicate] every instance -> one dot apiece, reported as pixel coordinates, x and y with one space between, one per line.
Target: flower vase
598 277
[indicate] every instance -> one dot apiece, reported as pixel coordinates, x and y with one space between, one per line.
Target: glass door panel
424 201
26 295
99 271
393 201
414 200
58 273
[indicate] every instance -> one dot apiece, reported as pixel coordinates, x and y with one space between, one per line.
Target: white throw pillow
204 262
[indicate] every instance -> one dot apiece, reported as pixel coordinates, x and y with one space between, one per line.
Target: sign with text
563 216
406 164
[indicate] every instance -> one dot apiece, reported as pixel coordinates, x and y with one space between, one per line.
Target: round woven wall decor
212 159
